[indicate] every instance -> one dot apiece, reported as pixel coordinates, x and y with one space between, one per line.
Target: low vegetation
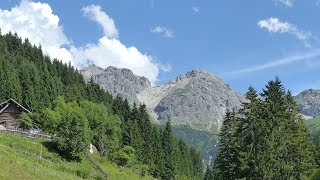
313 125
20 159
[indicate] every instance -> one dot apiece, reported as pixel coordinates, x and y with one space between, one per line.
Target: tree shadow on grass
52 147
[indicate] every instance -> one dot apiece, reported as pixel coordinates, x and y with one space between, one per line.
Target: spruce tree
227 160
208 174
168 149
251 135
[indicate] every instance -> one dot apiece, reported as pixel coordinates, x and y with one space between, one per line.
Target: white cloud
195 9
165 67
95 13
37 22
279 62
165 32
288 3
275 25
109 50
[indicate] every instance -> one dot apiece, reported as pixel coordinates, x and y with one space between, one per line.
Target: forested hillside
81 113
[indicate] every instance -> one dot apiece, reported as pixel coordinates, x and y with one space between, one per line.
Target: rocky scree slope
308 102
197 97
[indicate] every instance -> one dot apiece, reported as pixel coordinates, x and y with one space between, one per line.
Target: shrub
125 156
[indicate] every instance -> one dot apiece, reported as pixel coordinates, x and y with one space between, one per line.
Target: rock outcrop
117 81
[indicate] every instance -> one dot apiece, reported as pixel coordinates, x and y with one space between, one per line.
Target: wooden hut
10 112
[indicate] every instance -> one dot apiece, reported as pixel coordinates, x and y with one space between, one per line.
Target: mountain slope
308 102
116 81
196 97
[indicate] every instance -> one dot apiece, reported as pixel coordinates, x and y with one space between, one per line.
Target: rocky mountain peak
117 81
308 102
195 74
195 97
91 71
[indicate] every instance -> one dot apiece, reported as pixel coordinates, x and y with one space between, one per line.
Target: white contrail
279 62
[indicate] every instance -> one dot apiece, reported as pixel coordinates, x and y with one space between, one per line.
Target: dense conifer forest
266 139
80 113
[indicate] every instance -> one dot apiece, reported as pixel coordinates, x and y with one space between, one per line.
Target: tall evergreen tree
167 145
251 135
227 160
208 174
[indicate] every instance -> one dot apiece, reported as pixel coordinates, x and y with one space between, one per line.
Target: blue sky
243 42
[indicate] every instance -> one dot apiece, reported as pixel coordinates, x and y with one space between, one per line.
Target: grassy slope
16 164
115 172
313 125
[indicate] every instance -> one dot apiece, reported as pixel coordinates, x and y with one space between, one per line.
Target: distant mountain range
197 98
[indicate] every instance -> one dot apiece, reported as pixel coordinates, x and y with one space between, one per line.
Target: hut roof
4 105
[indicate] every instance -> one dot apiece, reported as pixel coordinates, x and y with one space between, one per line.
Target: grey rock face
197 97
308 102
117 81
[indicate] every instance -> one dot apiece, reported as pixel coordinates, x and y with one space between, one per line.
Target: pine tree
208 174
251 135
136 140
145 132
125 128
316 142
167 145
157 166
185 159
226 165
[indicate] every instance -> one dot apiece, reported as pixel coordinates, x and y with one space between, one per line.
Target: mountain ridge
194 97
117 81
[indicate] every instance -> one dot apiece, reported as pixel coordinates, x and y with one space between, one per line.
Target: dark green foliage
73 131
25 121
35 81
316 142
226 164
125 156
208 174
266 140
168 145
104 126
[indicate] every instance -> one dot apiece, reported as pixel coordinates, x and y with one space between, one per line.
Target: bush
125 156
25 121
